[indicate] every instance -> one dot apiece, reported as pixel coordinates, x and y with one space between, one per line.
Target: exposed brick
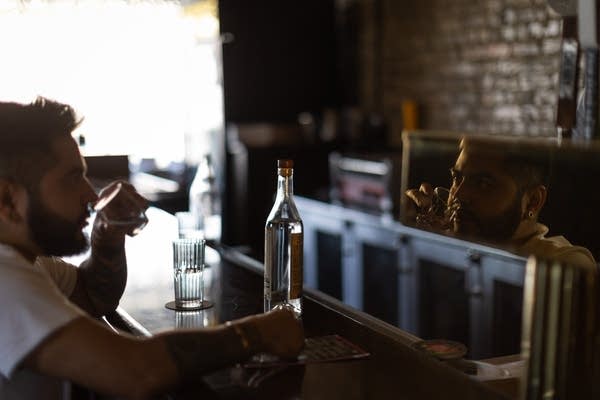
519 3
508 112
494 5
551 46
536 30
485 66
509 33
525 49
523 32
553 28
508 67
510 16
526 15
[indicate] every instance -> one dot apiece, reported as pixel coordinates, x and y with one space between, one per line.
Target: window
145 75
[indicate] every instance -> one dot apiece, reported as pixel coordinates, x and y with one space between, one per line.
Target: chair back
560 331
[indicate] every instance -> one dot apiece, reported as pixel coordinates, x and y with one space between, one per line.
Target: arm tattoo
104 276
195 353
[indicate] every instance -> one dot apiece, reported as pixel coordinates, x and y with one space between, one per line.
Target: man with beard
47 332
496 196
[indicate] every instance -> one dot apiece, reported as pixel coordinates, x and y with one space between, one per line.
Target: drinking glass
187 227
117 207
437 215
188 274
440 200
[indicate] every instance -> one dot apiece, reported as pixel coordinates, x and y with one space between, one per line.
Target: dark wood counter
234 283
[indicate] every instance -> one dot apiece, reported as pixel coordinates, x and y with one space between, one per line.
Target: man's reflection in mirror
495 196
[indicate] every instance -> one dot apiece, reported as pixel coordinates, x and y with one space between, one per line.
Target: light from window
143 74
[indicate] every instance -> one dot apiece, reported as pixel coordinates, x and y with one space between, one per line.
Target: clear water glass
188 270
117 207
437 215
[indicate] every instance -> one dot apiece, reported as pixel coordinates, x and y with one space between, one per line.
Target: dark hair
528 163
528 172
27 132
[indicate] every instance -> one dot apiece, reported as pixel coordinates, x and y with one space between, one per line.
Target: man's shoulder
62 273
18 273
560 249
10 256
52 263
14 267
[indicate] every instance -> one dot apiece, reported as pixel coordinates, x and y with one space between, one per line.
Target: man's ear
535 199
11 195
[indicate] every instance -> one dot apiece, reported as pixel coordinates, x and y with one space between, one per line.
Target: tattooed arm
136 368
101 279
277 332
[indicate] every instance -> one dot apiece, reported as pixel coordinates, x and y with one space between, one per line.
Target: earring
529 214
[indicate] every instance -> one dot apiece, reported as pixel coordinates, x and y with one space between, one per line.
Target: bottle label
296 273
268 266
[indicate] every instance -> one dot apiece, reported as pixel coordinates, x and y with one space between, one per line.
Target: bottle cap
285 163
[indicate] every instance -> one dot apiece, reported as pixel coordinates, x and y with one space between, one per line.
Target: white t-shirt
34 301
555 248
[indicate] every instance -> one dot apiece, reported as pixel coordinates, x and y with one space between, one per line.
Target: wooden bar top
234 284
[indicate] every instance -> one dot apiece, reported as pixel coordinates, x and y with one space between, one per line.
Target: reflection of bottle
284 246
205 200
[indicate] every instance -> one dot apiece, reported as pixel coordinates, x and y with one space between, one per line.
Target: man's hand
423 197
120 213
427 207
419 201
280 332
195 352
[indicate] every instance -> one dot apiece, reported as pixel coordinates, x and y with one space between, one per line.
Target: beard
55 235
497 228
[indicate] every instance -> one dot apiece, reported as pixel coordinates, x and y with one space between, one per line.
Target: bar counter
234 284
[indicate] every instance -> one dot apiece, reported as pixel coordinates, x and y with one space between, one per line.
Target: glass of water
437 215
119 207
188 270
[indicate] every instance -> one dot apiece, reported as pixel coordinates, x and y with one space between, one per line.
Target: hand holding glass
121 208
437 214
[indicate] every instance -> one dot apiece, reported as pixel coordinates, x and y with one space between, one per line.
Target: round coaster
441 348
205 304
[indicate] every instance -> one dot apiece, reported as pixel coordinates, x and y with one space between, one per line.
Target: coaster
441 348
205 304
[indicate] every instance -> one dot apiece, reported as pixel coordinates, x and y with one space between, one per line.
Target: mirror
527 196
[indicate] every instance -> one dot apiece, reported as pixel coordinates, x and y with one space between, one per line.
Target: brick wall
471 65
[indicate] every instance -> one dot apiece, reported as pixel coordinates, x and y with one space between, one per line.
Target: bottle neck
285 182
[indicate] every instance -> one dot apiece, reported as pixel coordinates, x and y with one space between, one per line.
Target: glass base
171 305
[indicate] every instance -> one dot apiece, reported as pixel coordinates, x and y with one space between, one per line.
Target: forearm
90 355
104 276
196 353
87 353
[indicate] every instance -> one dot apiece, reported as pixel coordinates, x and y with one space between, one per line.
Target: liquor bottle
205 200
284 239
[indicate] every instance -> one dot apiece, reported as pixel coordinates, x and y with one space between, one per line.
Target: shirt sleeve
63 274
32 309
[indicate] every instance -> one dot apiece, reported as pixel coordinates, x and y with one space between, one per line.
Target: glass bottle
284 239
205 200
